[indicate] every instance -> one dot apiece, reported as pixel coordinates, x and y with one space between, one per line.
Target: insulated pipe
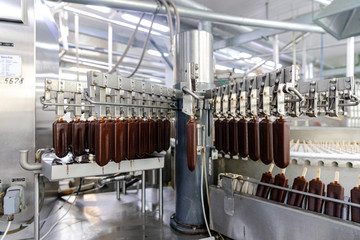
203 15
23 160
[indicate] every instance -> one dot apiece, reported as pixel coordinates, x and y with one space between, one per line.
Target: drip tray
55 172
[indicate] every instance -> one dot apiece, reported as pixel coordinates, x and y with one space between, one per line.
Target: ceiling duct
341 18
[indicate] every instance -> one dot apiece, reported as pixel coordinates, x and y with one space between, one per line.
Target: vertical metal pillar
276 51
76 23
124 187
36 207
161 199
304 60
192 48
110 46
322 57
153 177
117 186
143 193
350 57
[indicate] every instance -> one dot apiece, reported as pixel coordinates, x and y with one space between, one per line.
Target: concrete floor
102 216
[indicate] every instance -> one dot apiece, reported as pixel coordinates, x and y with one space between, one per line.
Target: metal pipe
110 46
203 15
143 194
76 22
304 60
300 192
123 104
23 160
117 178
36 207
42 101
117 186
124 187
161 205
191 93
276 51
297 93
350 60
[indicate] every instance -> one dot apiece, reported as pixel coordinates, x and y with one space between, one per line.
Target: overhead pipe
151 7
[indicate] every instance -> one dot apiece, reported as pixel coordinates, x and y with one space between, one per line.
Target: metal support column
161 206
198 48
36 207
143 193
117 186
276 51
124 187
350 59
110 46
153 177
76 22
304 60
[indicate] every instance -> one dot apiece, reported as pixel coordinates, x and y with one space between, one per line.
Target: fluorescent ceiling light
144 22
69 76
239 71
245 55
221 67
99 8
256 59
75 69
251 74
249 61
272 64
156 53
155 80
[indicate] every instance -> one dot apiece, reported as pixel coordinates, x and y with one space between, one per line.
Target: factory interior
179 119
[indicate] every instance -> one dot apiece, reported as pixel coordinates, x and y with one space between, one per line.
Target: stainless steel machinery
29 54
234 210
34 97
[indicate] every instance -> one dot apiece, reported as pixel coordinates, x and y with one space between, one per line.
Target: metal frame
76 170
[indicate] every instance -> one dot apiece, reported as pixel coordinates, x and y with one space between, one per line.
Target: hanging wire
146 43
131 40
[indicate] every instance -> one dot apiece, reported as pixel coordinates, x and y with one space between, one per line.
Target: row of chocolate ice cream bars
315 186
111 139
265 140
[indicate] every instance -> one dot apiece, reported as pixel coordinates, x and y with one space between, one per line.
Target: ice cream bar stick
297 145
336 177
305 147
318 172
304 172
283 171
271 168
359 180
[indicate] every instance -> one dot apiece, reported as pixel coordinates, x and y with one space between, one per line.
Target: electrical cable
131 40
7 230
202 192
176 15
206 181
146 43
71 206
170 21
62 205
